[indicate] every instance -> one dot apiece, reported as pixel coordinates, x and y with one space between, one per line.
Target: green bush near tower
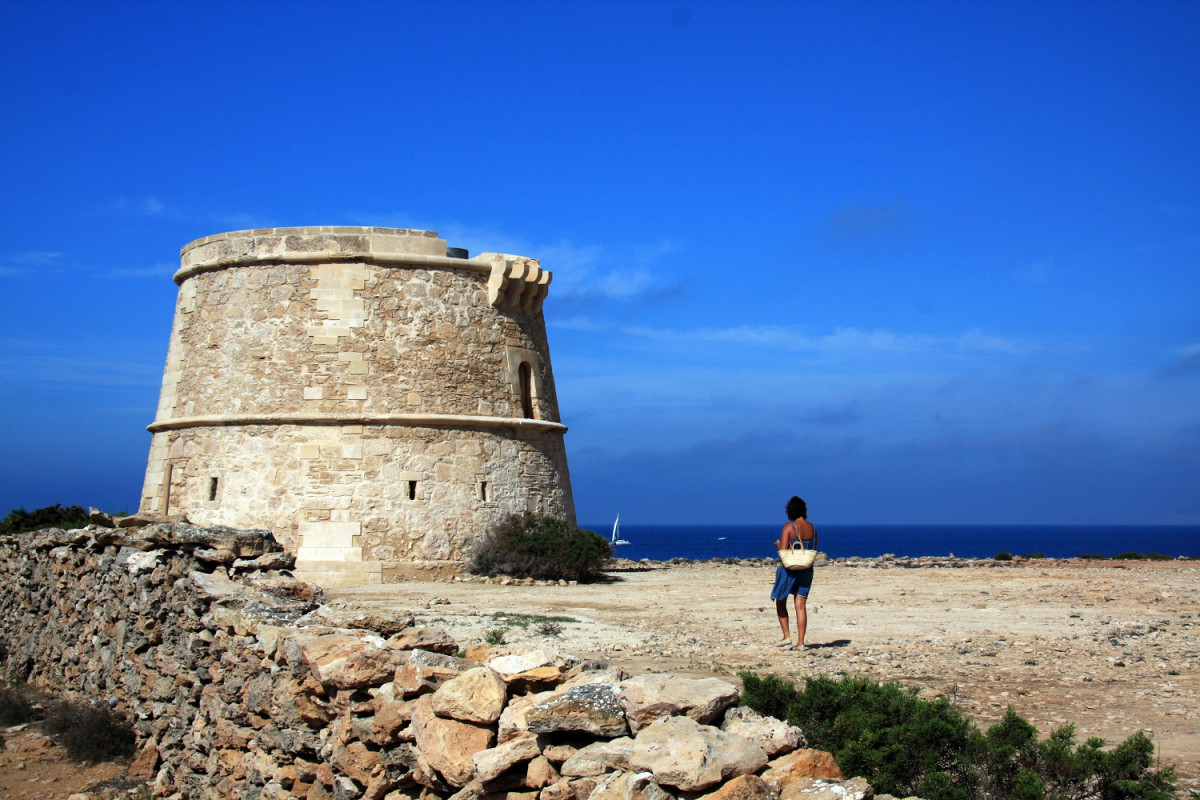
542 547
56 516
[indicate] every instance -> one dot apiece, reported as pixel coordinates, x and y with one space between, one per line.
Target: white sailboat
616 534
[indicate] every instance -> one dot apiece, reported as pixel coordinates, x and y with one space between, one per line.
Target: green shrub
1003 557
532 546
1132 556
1034 555
904 746
55 516
1093 556
1087 770
495 636
89 732
1009 749
771 695
907 746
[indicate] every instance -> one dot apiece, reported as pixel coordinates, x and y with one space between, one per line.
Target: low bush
1003 557
546 548
89 732
1034 555
549 628
16 705
906 746
55 516
1135 556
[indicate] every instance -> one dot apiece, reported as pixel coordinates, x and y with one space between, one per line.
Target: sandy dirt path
1111 648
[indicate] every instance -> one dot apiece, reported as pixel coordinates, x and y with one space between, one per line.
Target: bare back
788 534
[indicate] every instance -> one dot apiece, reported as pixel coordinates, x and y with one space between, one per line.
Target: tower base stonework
374 399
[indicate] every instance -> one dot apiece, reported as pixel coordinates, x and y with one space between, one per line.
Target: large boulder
448 745
490 764
818 789
647 698
743 787
628 786
683 753
510 664
774 736
392 714
598 758
541 773
217 543
532 670
424 637
478 695
802 765
345 661
593 708
361 617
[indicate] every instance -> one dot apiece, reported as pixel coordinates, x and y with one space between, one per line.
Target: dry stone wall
240 683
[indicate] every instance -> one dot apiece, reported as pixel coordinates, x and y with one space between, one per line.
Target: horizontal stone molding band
477 264
404 420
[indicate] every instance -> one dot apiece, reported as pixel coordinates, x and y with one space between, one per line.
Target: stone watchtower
374 398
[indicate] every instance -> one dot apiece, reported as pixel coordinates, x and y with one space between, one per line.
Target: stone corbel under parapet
516 283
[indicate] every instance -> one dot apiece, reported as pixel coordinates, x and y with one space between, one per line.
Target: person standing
793 582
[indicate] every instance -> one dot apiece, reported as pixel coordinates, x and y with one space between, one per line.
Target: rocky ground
34 767
1109 647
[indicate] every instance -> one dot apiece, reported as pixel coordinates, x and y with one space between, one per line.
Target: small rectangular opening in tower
212 488
167 489
412 490
483 491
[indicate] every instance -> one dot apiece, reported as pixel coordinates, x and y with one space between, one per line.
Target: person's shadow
823 645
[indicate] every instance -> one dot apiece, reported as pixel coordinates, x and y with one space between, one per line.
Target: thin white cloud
583 273
36 257
38 362
153 271
145 207
582 323
595 273
841 340
154 208
32 262
977 341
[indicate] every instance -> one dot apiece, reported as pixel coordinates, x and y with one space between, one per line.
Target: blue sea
664 542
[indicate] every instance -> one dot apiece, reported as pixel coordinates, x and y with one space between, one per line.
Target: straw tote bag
801 558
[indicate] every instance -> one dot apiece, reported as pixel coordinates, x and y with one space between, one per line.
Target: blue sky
917 262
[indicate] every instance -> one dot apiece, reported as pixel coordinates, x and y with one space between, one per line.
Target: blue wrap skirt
789 581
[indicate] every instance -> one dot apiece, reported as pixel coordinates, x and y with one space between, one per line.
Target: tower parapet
375 398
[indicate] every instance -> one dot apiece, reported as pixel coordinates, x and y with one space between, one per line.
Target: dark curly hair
796 509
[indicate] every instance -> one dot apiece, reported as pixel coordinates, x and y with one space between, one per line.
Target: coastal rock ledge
241 682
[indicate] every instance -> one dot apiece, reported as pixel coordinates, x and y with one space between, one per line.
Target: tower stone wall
374 398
